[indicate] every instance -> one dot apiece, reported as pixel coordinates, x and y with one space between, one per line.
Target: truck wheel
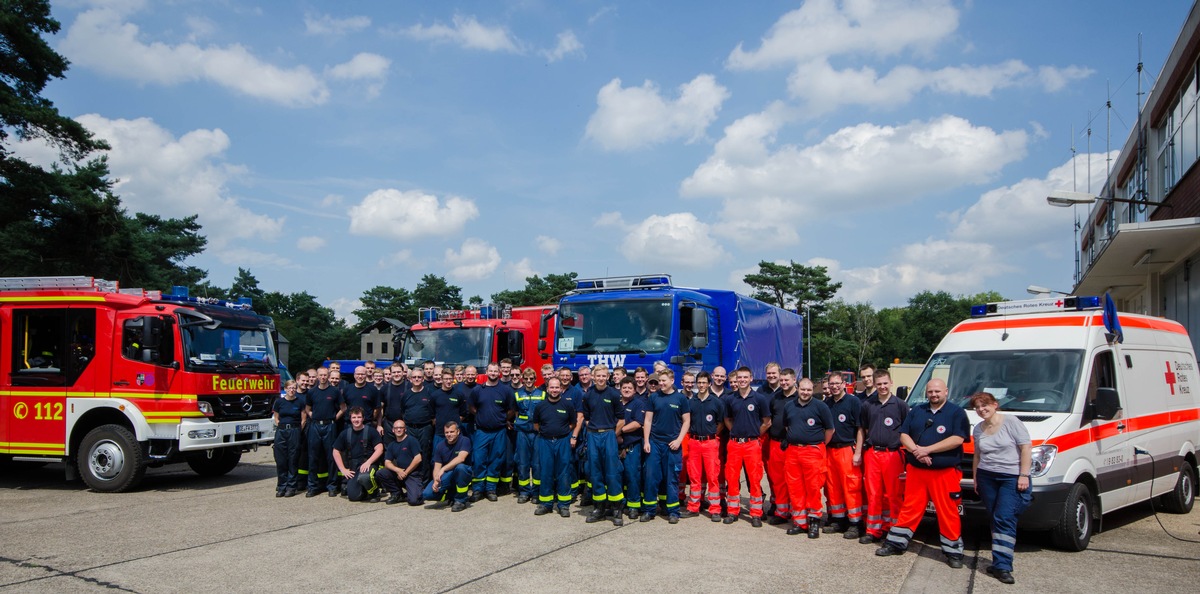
1074 529
222 461
110 459
1180 500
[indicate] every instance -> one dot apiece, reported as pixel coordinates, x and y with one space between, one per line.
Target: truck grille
236 407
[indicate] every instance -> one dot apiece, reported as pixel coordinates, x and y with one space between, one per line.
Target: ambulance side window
1104 375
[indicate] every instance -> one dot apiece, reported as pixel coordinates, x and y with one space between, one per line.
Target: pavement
180 532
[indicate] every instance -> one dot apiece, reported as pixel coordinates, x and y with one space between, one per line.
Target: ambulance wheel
1181 498
222 461
1074 529
110 459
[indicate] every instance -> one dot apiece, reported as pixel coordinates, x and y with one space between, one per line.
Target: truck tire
1181 498
1074 529
222 461
110 460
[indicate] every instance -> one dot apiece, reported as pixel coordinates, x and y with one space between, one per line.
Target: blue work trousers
528 464
488 456
321 468
287 457
456 483
554 464
1004 505
632 471
604 467
662 468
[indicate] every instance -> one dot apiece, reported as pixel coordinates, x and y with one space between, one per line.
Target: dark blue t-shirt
401 453
746 414
634 411
777 401
554 419
805 424
357 446
448 406
881 422
393 401
846 414
927 428
291 412
445 451
367 397
707 416
668 412
602 408
491 404
325 402
418 407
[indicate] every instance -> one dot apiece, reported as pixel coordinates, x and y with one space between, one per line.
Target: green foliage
434 291
792 285
538 291
246 285
66 220
386 302
314 332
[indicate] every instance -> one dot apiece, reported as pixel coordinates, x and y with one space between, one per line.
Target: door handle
121 383
1120 426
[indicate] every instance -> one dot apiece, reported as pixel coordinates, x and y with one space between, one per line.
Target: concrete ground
181 533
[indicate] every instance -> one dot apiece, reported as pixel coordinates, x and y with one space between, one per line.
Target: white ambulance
1113 410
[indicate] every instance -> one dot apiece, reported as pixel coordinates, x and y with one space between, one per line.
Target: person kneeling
401 472
451 470
362 447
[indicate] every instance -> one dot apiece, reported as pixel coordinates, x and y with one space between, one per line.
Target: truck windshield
455 346
626 326
1022 381
242 350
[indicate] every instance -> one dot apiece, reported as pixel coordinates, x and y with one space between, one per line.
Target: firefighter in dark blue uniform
449 404
602 416
323 408
356 453
452 474
527 398
493 406
668 417
552 420
633 406
417 412
401 472
289 422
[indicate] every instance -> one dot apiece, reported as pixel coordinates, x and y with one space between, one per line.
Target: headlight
205 408
1043 457
202 434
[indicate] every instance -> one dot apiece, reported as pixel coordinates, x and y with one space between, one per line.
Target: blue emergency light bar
491 311
612 283
179 294
1049 304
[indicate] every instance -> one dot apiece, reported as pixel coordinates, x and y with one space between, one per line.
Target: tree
314 332
538 291
792 285
927 319
245 285
434 291
66 220
386 302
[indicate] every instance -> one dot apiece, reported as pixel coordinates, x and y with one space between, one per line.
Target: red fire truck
479 336
112 381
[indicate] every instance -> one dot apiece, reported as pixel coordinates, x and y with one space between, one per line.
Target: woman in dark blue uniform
289 422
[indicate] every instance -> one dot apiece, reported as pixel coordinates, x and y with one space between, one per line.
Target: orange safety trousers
804 469
704 475
776 460
749 456
843 485
942 486
881 473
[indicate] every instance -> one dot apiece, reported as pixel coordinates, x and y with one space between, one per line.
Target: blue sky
332 147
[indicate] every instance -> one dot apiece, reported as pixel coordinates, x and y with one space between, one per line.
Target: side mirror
1107 404
516 347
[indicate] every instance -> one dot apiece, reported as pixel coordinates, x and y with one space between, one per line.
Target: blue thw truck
634 321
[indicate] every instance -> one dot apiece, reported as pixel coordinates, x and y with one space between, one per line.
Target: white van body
1056 369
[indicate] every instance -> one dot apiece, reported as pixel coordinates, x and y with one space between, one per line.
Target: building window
383 348
370 348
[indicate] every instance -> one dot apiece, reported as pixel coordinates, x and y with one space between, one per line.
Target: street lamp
1038 290
1064 199
808 341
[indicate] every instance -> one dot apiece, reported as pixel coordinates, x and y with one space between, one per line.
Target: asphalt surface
181 533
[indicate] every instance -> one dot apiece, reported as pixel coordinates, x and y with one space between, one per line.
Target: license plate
246 428
929 509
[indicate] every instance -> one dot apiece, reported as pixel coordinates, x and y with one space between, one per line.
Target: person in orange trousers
808 426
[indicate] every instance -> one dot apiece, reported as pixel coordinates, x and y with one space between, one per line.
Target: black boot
598 512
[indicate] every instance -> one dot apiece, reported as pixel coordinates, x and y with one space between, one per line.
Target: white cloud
674 240
637 117
400 258
160 174
603 12
332 200
310 243
476 260
1055 79
611 219
342 306
1007 229
568 45
199 27
468 33
254 259
519 271
766 189
548 245
822 28
408 215
101 40
372 68
325 24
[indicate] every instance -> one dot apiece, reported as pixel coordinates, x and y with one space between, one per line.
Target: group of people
631 445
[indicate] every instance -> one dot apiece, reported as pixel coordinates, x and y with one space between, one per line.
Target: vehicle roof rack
61 283
614 283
